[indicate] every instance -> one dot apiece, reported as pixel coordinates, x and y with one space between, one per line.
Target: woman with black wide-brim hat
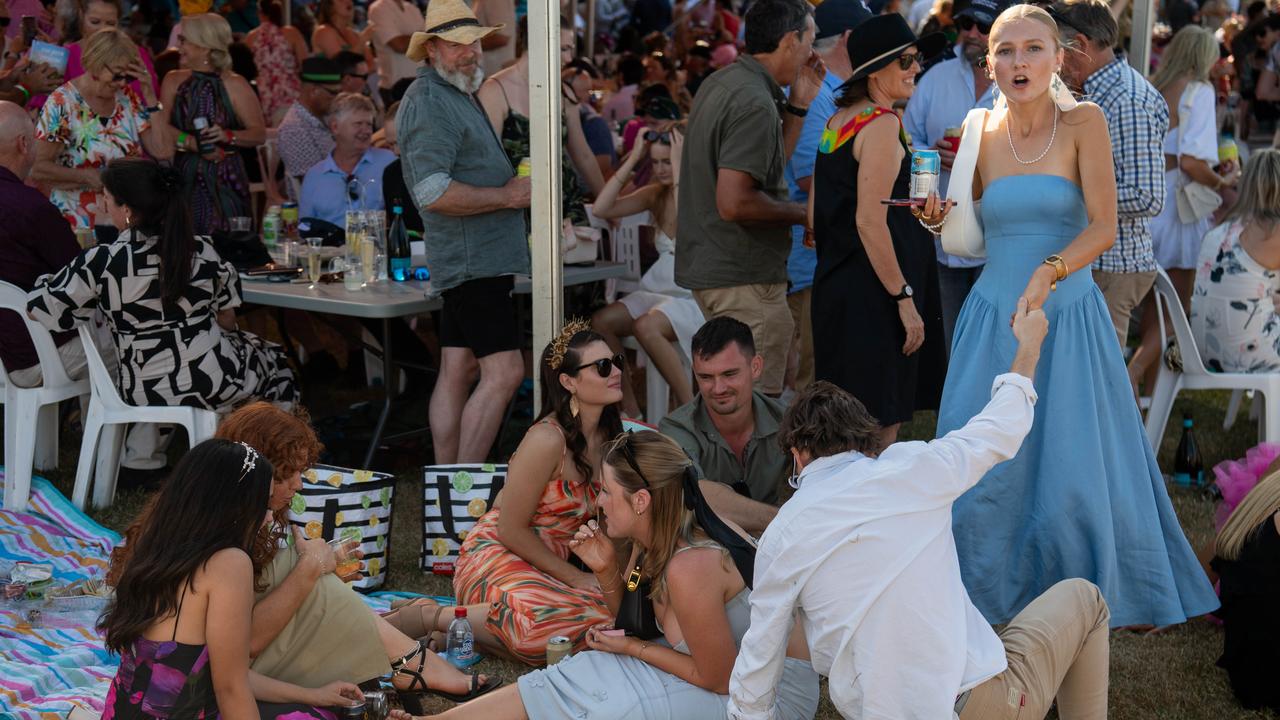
877 320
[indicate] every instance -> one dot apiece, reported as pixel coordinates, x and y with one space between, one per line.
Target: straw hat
448 20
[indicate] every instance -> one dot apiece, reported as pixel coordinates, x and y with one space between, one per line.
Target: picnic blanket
48 670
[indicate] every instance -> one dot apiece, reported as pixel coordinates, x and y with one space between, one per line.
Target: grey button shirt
445 136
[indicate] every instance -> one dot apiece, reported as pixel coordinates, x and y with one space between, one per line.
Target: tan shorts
764 309
799 302
1123 292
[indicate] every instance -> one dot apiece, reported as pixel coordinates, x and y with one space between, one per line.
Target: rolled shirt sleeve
430 153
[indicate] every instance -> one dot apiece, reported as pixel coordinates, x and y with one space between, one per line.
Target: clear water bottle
461 647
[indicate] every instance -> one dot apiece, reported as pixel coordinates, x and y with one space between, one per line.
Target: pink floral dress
89 141
278 83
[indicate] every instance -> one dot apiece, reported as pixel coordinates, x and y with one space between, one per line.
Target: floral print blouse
89 141
1233 316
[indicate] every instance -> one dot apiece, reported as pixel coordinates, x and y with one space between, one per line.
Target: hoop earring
573 405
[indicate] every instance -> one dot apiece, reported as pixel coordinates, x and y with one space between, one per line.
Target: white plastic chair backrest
104 388
1167 301
14 298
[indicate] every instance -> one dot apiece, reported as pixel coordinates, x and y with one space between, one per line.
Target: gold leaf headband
560 345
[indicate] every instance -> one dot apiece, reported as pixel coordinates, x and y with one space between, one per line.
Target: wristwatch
1059 269
796 110
907 292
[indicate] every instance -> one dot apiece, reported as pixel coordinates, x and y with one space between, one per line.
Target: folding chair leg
1233 408
108 465
1269 419
1168 383
88 452
19 452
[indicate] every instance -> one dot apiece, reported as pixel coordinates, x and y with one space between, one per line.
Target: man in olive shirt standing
730 431
734 216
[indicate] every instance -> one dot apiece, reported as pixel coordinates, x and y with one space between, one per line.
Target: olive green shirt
767 465
736 123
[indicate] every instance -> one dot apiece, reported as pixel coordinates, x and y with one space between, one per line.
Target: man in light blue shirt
943 98
351 176
834 18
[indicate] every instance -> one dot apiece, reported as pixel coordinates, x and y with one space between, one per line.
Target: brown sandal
409 618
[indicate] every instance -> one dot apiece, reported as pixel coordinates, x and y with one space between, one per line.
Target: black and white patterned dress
170 353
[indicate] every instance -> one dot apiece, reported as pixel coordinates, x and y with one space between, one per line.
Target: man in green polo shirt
735 217
730 430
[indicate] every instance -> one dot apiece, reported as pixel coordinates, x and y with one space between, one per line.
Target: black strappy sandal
412 696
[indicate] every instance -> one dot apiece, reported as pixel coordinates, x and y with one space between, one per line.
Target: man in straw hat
472 211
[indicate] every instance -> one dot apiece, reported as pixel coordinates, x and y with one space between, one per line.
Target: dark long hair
154 194
555 400
205 506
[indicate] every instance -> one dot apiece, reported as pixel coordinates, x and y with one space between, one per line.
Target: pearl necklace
1008 126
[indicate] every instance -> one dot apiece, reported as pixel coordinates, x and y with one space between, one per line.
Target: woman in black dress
877 316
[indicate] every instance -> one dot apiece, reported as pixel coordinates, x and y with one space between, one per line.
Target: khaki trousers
1057 647
1123 292
763 308
799 303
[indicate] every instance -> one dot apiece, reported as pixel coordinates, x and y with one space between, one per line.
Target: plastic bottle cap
460 612
397 210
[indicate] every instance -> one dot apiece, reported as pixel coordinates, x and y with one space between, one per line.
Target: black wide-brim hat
879 41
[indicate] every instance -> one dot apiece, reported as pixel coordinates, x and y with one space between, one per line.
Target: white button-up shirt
864 552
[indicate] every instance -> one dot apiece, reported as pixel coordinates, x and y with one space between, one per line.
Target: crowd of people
772 528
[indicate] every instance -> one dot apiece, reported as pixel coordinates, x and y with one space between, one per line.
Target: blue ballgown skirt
1083 497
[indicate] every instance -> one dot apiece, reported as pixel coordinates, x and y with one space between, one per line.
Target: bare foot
438 674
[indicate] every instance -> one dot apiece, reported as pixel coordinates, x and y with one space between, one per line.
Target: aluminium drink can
558 648
925 166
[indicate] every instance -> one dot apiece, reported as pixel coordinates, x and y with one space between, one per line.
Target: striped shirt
1137 117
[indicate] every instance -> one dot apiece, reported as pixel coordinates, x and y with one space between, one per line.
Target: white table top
387 299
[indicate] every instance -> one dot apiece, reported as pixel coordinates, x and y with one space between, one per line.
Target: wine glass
313 261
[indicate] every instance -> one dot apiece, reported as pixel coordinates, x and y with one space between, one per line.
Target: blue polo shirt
327 190
803 260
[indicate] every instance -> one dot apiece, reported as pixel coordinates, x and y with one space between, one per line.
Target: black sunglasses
655 136
604 366
353 187
906 61
966 23
122 77
624 446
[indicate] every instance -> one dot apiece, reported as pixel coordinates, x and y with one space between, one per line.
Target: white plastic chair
657 393
105 424
1194 376
27 443
624 241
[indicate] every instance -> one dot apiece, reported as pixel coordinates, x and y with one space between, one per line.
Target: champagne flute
313 261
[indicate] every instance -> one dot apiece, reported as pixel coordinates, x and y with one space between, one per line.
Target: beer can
524 168
289 219
925 166
558 648
271 230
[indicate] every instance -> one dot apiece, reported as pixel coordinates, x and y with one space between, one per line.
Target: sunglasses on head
907 60
966 23
624 447
604 366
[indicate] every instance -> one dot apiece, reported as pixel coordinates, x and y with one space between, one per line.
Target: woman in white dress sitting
1233 311
660 312
1190 155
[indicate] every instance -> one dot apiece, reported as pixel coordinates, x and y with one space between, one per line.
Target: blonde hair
70 16
1259 196
1191 54
349 102
212 32
107 48
1025 12
664 464
1262 502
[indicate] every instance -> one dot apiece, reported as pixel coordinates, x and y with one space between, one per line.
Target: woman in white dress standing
1190 154
660 312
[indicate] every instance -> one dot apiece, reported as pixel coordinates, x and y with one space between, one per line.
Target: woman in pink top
79 19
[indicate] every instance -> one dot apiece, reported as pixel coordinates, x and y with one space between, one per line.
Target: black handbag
636 614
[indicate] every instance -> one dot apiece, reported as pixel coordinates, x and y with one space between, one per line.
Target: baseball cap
984 11
833 17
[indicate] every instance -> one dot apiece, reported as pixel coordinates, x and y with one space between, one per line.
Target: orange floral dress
527 606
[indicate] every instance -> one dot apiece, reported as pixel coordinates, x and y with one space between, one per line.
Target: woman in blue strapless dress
1084 496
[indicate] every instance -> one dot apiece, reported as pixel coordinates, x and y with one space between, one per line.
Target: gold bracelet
640 655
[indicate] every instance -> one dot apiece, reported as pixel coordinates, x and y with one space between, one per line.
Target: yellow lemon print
373 521
337 519
440 548
310 476
313 529
335 480
462 536
476 507
372 567
363 475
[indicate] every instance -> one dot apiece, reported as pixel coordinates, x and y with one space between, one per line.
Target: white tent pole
545 144
1144 15
590 49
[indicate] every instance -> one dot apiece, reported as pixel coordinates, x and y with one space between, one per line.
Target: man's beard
973 54
468 84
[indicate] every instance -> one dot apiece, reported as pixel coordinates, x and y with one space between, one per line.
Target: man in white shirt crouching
864 552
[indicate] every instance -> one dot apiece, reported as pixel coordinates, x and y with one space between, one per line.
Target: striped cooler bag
354 504
453 499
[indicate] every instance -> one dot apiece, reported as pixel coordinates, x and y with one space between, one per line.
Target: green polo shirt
736 123
767 465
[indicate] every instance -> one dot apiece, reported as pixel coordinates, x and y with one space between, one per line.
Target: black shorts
480 315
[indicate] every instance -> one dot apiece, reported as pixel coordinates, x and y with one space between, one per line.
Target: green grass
1170 676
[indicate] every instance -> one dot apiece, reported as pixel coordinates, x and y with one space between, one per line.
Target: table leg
389 386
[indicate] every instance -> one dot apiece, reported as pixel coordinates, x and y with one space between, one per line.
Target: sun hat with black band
449 20
880 40
320 70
